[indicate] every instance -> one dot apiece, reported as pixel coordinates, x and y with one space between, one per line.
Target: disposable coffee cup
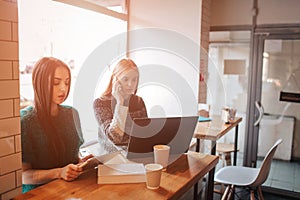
161 154
225 115
153 175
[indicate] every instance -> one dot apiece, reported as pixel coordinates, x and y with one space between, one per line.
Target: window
50 28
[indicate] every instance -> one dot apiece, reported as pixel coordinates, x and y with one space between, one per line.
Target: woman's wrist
58 173
121 102
126 102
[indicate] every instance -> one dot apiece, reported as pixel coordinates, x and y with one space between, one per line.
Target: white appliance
273 127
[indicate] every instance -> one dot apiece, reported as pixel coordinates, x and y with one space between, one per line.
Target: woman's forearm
36 176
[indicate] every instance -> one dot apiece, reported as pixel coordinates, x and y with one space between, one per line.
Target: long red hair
42 81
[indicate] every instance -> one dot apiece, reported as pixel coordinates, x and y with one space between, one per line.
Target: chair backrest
266 165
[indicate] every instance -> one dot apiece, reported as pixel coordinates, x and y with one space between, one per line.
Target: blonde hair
122 66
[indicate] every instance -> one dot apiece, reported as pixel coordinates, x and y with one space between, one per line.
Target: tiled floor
283 174
242 194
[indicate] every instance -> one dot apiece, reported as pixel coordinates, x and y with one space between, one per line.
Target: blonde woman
119 104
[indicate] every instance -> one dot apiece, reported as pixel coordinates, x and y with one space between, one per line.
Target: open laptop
177 132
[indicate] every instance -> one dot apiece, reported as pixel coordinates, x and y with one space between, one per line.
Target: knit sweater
35 144
104 112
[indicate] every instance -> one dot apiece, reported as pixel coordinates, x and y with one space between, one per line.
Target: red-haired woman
51 133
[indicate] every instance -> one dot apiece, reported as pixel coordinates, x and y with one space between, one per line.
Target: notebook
204 119
121 173
177 132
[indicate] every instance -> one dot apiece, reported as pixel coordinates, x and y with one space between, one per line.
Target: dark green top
35 147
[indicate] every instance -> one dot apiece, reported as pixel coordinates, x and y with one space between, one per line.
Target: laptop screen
177 132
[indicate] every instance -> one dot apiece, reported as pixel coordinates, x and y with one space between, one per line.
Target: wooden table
214 130
179 177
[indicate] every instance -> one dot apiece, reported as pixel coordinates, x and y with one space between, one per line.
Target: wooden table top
214 129
179 177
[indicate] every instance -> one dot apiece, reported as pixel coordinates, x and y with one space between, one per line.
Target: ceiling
107 3
114 8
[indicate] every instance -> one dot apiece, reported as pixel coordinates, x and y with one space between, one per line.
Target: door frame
255 84
255 90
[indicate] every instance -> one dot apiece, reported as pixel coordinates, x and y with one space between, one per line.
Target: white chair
249 177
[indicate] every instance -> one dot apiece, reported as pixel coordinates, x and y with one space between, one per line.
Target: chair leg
252 196
260 194
231 193
222 188
225 194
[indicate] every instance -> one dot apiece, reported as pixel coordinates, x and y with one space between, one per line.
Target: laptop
177 132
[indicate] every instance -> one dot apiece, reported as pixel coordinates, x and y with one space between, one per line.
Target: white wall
168 56
178 15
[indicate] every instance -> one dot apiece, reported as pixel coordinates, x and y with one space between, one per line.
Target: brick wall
205 26
10 139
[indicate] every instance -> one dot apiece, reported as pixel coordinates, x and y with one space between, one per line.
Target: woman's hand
86 158
70 172
117 91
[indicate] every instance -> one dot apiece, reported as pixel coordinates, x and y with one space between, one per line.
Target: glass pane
227 82
66 32
281 73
